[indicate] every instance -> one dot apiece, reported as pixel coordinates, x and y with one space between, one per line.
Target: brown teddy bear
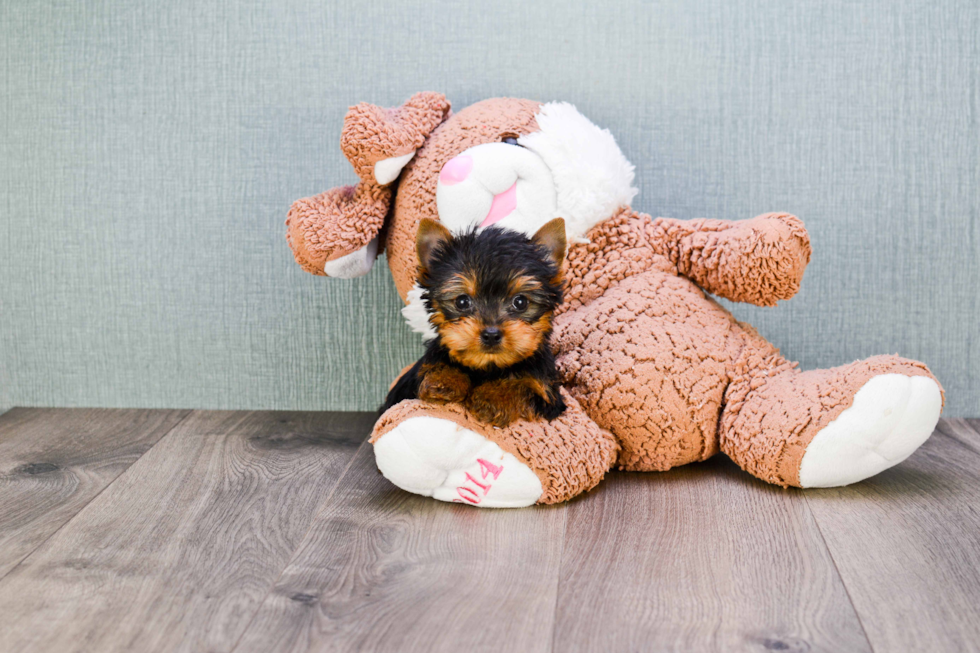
655 372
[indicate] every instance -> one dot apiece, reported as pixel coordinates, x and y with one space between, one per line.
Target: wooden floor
141 530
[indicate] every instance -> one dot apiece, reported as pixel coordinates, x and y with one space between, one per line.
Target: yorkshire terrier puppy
491 297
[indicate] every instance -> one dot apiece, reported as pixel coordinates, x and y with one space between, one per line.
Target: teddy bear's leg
826 428
440 451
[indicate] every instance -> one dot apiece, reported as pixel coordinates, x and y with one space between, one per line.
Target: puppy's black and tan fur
491 297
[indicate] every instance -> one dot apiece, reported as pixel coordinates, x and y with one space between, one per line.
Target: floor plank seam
840 576
272 586
94 497
561 560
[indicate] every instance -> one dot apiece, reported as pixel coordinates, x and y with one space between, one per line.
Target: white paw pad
440 459
891 416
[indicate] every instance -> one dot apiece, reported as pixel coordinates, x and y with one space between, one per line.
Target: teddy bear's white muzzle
496 184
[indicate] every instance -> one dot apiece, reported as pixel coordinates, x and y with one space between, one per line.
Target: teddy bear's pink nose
456 170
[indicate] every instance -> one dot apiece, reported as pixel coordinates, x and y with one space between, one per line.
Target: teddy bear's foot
440 451
438 458
825 428
892 415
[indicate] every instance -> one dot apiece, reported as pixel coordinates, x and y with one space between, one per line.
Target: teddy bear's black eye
520 303
510 140
463 303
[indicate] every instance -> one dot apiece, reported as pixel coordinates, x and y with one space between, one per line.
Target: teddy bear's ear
379 142
338 233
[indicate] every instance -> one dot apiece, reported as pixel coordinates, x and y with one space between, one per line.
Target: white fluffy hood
592 177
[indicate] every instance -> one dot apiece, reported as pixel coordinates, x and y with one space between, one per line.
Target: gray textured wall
148 155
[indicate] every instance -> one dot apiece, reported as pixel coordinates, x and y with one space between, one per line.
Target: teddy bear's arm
757 261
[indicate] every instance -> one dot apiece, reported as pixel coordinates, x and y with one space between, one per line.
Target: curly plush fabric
642 349
656 373
371 133
335 223
617 249
342 220
569 455
757 261
773 411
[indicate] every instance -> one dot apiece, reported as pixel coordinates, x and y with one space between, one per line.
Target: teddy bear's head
509 162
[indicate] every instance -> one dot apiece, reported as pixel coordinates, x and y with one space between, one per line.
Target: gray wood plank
54 461
178 553
964 431
701 558
907 543
383 570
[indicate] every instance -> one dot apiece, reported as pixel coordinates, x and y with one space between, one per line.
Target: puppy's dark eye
510 140
520 303
463 303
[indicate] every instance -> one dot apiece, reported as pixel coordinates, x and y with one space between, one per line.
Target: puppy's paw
442 384
499 403
490 414
553 408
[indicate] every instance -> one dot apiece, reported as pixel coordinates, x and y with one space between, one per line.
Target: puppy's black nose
491 336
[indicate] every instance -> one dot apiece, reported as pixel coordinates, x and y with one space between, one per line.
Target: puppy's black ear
552 237
430 236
